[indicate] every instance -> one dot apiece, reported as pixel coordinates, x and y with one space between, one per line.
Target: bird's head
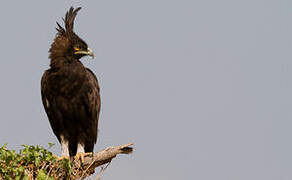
79 48
67 45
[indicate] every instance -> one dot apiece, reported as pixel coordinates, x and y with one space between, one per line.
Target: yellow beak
89 52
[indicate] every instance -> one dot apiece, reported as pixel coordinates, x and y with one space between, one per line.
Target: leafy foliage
33 162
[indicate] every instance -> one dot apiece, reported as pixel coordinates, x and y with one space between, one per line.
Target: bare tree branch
91 161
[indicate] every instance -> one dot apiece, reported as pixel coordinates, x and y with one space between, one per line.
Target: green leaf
13 165
51 145
42 175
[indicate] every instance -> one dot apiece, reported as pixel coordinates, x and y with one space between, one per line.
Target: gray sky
203 88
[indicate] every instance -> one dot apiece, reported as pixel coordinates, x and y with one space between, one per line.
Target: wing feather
50 105
93 103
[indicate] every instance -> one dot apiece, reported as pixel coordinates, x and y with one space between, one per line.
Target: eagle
70 91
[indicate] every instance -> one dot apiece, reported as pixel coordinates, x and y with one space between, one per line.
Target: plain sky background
202 87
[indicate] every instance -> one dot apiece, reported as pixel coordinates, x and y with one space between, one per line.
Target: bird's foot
81 155
62 157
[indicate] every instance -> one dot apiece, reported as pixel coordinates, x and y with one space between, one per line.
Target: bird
70 91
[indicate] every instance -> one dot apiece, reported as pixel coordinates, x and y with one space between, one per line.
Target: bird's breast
68 81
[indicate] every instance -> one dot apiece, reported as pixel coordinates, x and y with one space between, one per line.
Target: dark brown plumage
70 91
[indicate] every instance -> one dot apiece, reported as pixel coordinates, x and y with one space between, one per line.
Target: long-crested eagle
70 91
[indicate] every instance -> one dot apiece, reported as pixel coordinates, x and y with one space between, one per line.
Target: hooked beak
89 52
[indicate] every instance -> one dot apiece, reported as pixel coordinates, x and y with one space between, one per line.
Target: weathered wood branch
92 161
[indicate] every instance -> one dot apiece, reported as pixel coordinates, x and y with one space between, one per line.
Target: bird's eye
76 49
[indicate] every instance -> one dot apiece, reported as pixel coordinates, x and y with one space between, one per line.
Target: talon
81 156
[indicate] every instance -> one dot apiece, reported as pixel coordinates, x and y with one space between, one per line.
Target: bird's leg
65 148
80 152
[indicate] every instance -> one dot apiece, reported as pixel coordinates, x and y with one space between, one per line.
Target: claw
81 156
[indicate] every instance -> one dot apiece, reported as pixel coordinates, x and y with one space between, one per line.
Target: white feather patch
64 146
80 148
47 103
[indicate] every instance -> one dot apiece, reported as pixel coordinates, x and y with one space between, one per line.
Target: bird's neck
59 52
60 62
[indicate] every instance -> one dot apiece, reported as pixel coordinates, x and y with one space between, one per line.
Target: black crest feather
69 22
60 29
